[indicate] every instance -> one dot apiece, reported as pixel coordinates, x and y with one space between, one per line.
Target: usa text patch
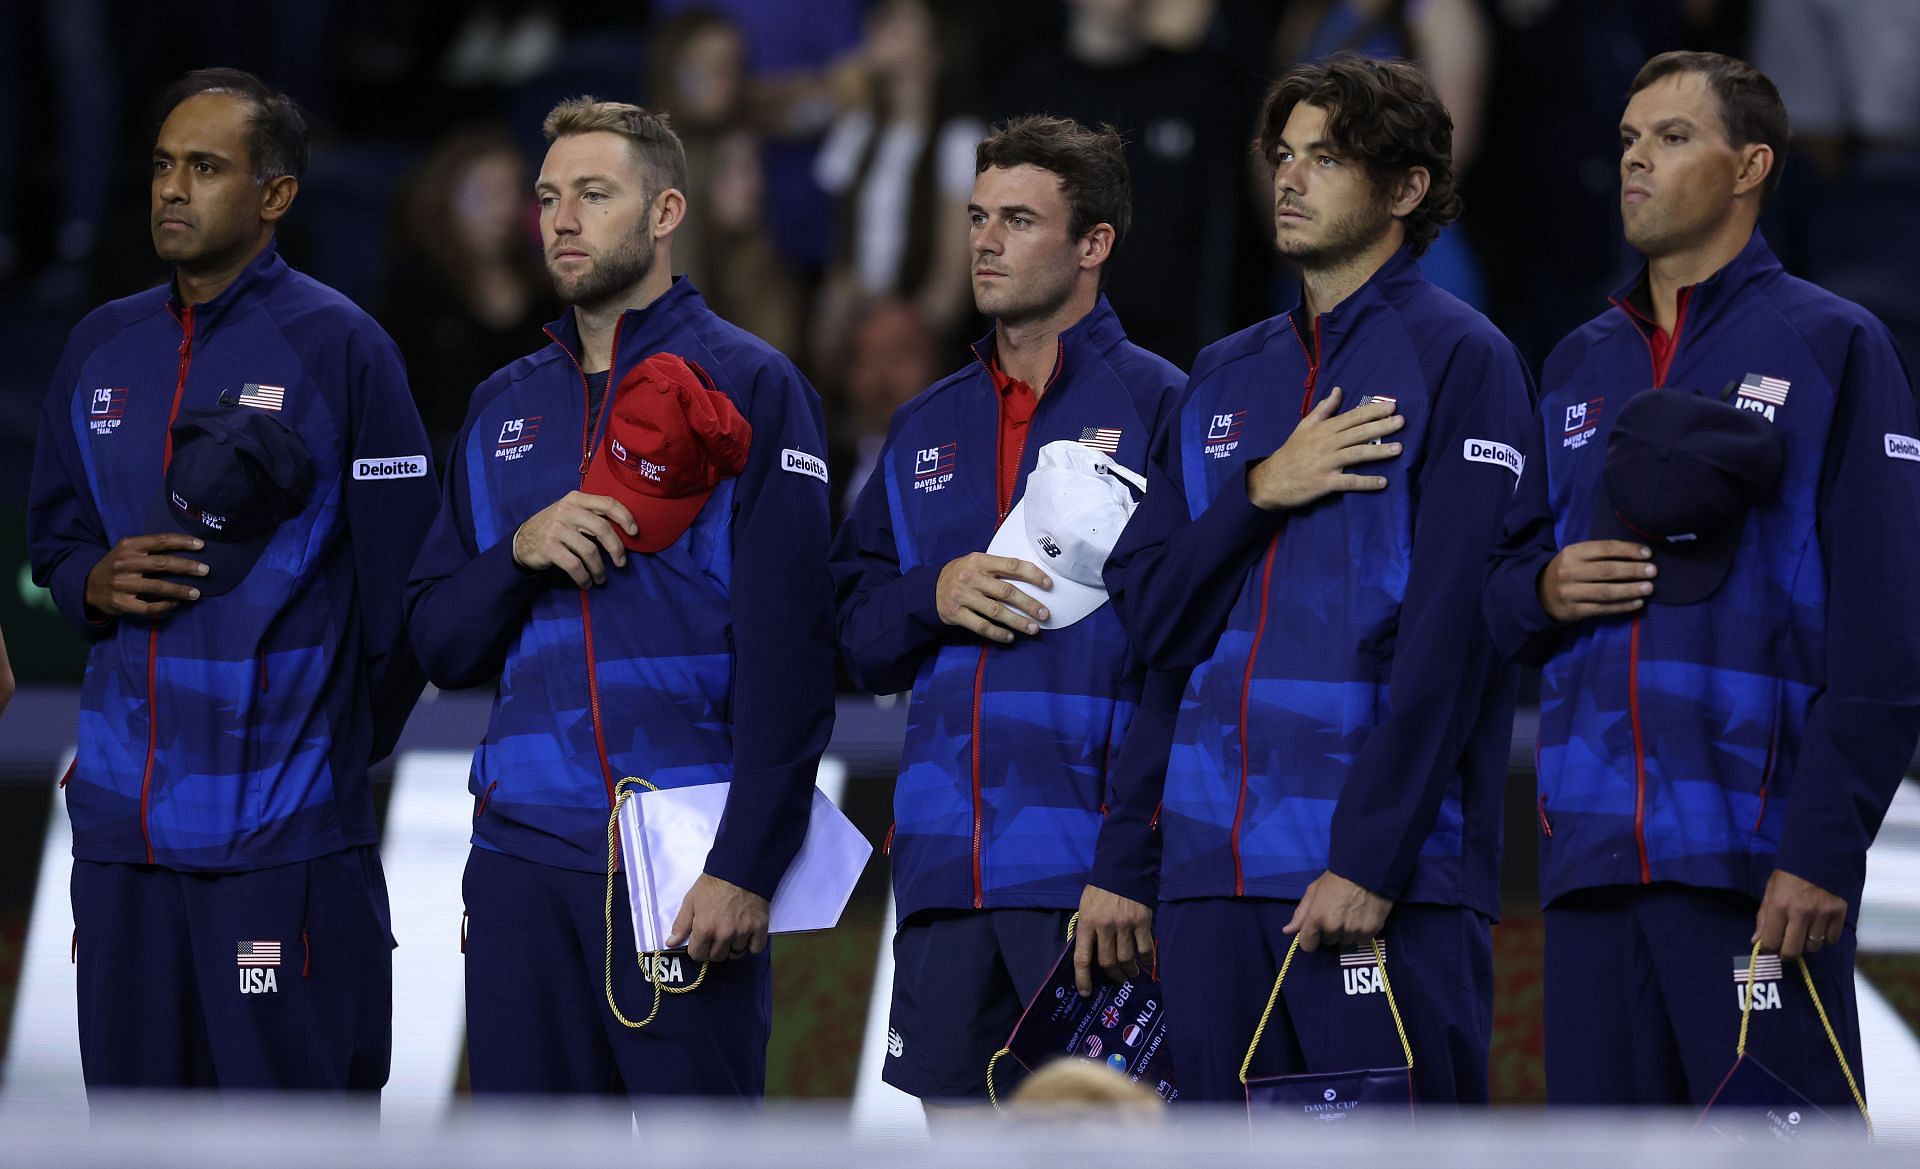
1485 450
1902 446
802 463
402 467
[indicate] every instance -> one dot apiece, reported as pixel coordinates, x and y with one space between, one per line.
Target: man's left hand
1337 912
1797 917
720 920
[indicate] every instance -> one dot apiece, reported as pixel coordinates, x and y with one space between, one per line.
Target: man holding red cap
1711 558
633 538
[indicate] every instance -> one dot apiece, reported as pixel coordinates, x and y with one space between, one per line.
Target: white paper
665 836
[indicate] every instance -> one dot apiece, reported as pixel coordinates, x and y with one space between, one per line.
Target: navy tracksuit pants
537 1014
1218 960
276 978
1644 986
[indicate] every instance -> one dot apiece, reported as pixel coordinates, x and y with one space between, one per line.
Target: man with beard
633 537
230 479
1021 695
1711 560
1311 551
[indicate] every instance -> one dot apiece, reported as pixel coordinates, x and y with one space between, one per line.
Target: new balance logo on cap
1074 506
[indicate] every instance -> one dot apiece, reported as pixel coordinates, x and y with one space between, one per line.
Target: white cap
1067 522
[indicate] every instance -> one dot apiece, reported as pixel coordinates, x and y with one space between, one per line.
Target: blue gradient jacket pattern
1010 749
1770 723
235 732
1343 709
709 661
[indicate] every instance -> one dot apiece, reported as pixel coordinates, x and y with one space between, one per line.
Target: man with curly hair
1309 556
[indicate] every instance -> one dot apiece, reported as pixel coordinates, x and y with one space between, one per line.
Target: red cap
671 438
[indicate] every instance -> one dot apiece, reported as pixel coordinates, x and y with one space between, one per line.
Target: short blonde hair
1075 1085
657 148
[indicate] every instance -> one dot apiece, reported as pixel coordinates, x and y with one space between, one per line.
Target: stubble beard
611 275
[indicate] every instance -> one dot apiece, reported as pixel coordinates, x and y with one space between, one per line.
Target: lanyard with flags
1364 1094
1753 1102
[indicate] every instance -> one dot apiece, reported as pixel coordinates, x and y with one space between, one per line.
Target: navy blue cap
1681 474
237 474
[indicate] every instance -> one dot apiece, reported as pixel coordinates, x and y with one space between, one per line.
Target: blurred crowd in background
830 149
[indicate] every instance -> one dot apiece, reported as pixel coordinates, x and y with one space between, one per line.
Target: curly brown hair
1383 114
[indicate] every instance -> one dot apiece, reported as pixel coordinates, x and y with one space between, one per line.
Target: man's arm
1116 908
386 519
1863 723
889 618
465 604
66 536
782 611
1443 657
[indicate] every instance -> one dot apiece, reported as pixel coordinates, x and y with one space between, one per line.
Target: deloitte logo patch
403 467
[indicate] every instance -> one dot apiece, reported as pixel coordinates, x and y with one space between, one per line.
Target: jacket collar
1086 338
1400 272
261 273
641 332
1709 298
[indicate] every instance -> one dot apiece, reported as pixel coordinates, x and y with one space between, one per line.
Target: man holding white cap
1023 683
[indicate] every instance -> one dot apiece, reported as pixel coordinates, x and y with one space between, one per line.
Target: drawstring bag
1753 1103
1367 1095
1122 1025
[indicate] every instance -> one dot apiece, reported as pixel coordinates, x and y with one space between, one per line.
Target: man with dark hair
634 540
1023 685
1711 558
230 481
1312 567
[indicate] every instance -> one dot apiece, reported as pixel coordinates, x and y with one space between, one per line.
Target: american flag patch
1771 390
1361 955
258 954
263 397
1767 969
1101 438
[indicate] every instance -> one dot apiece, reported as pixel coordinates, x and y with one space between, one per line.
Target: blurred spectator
73 84
1452 44
1543 209
891 356
1846 70
466 292
900 165
796 61
699 78
1185 276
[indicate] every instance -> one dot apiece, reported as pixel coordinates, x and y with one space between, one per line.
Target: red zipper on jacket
980 671
589 428
153 631
1661 364
1260 626
1246 690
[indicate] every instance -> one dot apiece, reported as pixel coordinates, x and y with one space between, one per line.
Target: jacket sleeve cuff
1126 861
69 588
1372 870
